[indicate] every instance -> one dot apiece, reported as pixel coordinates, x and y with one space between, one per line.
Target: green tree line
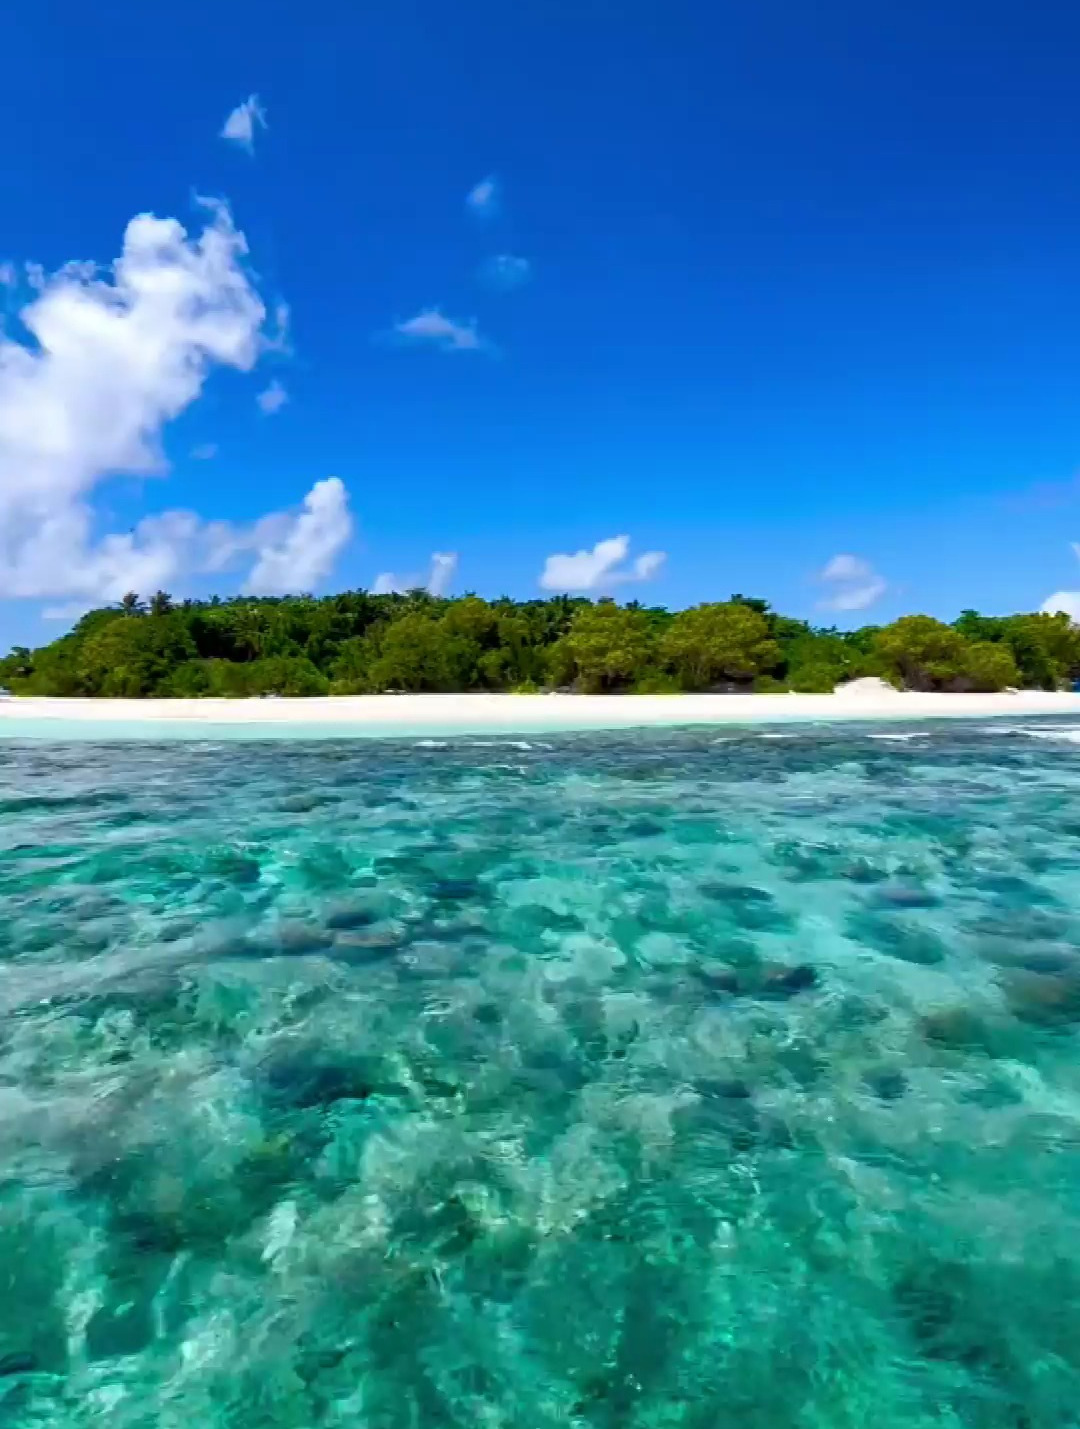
358 643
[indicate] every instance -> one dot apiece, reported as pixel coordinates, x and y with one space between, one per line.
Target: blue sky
798 283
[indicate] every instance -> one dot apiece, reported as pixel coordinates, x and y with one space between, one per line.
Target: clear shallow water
705 1079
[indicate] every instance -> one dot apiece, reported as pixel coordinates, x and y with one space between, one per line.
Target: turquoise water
707 1078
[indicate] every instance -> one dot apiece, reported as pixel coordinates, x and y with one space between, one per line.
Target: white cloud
437 581
648 565
854 581
205 451
71 612
430 328
1063 600
273 398
239 128
113 358
443 570
505 272
847 568
483 198
602 568
8 276
302 551
276 339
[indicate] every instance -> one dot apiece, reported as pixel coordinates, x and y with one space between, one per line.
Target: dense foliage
356 643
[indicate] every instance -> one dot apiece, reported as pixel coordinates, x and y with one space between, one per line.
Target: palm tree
161 602
130 604
562 611
249 630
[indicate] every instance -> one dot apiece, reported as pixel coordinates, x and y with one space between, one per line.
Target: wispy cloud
276 339
854 583
205 451
431 328
1044 495
443 569
505 272
272 398
602 568
239 128
8 275
71 612
484 198
437 581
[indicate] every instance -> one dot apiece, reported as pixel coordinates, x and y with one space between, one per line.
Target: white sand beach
407 715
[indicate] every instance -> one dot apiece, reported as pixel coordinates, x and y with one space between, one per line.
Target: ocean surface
713 1078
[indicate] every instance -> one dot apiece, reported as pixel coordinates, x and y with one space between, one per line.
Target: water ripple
642 1080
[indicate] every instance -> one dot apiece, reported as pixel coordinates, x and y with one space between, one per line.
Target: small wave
465 743
900 738
1055 736
506 744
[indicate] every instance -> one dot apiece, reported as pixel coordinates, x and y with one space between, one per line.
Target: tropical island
357 643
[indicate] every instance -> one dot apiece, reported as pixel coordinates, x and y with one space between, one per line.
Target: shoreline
404 716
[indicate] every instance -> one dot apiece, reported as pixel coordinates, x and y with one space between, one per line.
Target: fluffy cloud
483 198
505 272
1063 600
431 329
854 582
303 549
272 399
437 581
205 451
602 568
112 359
239 128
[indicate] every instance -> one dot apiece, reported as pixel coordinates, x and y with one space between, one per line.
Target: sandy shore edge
479 713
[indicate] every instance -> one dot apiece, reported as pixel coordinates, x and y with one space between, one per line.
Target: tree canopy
359 643
722 641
